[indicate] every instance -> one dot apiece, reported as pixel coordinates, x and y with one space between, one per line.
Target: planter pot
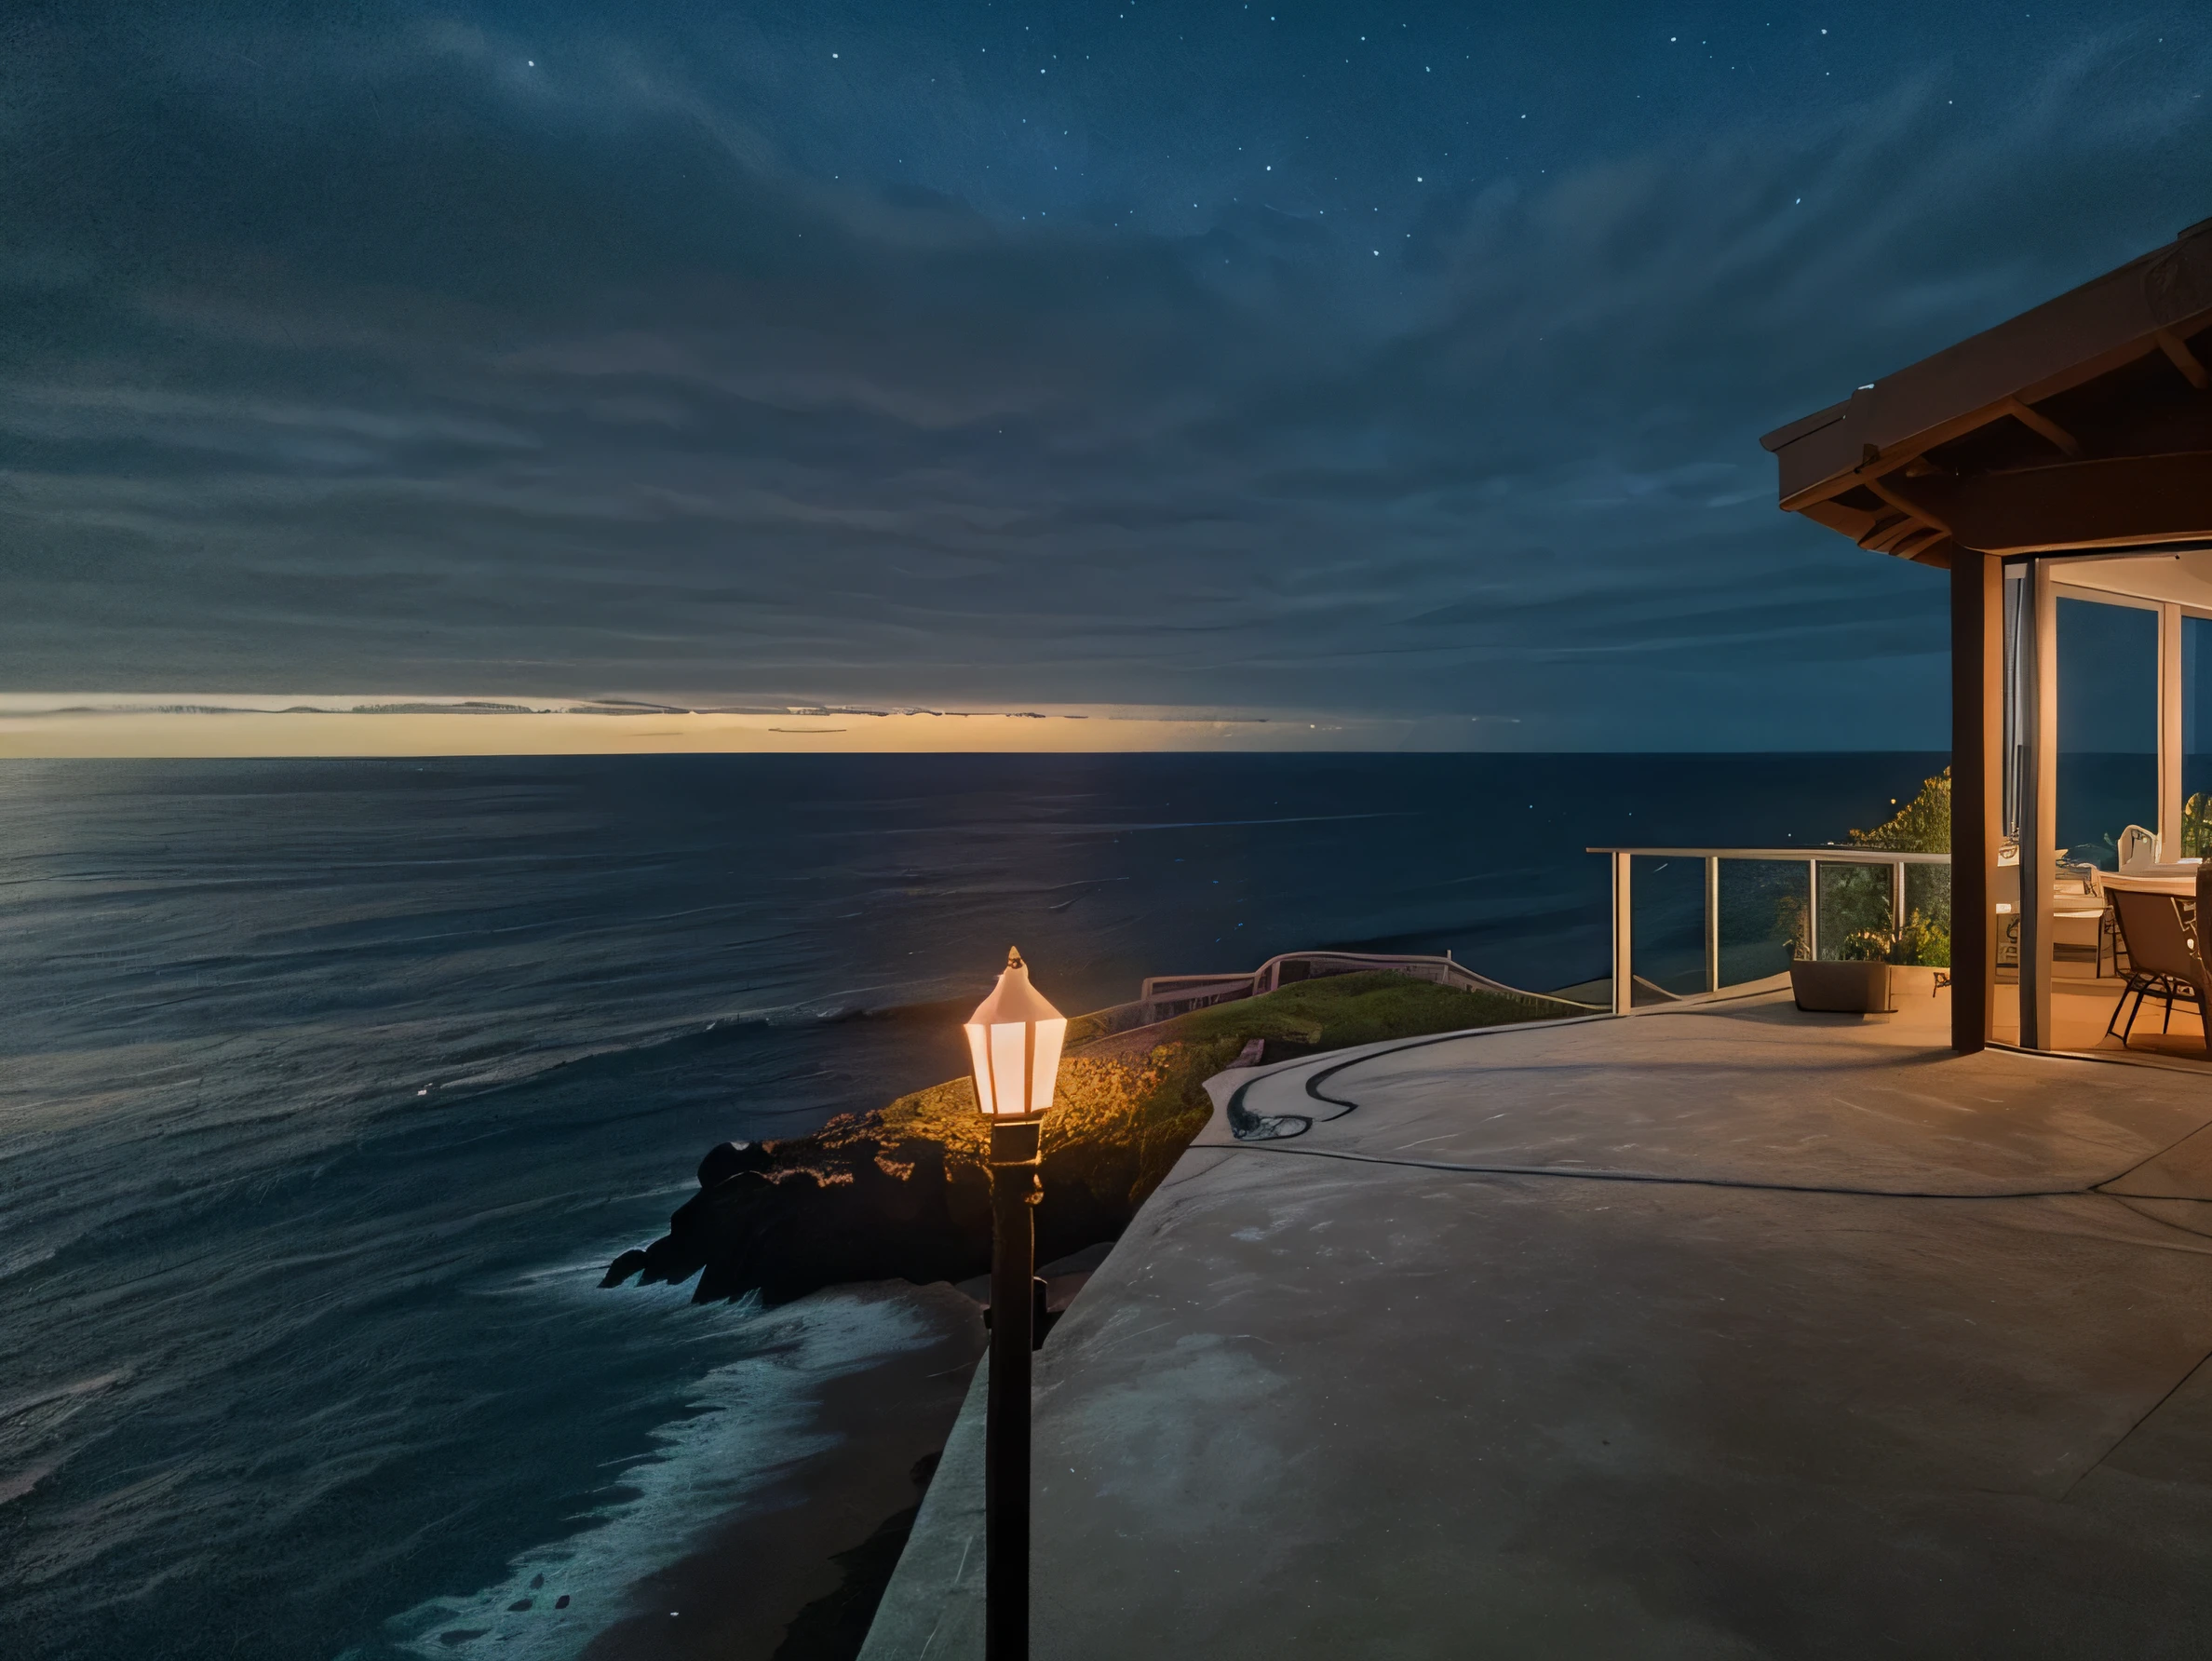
1842 988
1913 980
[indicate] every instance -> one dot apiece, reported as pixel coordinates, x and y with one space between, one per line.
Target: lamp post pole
1014 1040
1014 1190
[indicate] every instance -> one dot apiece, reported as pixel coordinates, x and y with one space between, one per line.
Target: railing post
1623 954
1896 900
1812 909
1712 923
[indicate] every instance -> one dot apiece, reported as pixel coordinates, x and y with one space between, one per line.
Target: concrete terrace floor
1887 1352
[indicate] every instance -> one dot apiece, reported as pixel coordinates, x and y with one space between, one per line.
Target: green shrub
2196 827
1922 825
1855 906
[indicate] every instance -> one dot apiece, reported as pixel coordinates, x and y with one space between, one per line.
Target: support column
1896 900
1712 928
2038 806
1977 789
1812 909
2169 732
1623 954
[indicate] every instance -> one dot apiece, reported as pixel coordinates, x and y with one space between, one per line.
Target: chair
2142 855
2162 960
2077 913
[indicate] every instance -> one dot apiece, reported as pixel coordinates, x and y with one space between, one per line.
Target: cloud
334 356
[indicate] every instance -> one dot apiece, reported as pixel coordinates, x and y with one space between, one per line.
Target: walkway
1812 1340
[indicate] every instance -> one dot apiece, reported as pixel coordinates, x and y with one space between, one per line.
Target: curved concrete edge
1225 1084
1215 1132
933 1609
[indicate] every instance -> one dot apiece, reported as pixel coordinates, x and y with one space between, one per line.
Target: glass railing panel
1669 919
1856 915
1762 914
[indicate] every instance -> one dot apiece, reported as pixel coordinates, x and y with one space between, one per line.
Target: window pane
2108 726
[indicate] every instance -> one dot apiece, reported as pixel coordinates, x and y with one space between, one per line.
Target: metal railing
1164 997
1623 943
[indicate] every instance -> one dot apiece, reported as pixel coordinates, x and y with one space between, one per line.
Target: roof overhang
2083 423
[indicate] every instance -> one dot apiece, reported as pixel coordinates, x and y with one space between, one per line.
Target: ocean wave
741 1425
30 1425
523 1066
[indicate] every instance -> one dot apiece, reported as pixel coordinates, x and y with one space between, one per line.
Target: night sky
1393 361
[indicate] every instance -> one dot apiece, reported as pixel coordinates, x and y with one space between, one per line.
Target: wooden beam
1912 548
1889 528
1911 506
2037 422
2182 359
1977 790
2112 502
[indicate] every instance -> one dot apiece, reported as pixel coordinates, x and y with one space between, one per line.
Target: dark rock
731 1157
538 1583
519 1605
815 1212
561 1602
902 1192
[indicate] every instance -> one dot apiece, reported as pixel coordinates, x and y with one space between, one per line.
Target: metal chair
2162 960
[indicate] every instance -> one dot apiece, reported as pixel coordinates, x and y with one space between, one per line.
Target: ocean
330 1088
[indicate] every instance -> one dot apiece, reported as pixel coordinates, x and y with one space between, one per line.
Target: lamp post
1013 1039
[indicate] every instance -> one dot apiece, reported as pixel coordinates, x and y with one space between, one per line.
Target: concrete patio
1792 1335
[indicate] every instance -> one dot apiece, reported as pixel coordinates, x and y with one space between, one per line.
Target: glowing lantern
1013 1039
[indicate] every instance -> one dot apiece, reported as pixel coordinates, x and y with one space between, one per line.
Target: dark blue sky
1404 360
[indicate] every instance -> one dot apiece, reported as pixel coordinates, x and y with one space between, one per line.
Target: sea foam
741 1426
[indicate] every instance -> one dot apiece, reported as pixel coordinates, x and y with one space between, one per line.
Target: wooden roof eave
2150 305
2127 501
2019 405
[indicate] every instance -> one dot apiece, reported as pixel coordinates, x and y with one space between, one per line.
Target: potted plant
1876 965
1919 953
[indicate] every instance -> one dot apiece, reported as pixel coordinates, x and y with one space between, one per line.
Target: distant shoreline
493 727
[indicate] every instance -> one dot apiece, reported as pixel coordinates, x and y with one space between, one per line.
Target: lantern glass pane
1007 1041
1050 1035
978 1051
